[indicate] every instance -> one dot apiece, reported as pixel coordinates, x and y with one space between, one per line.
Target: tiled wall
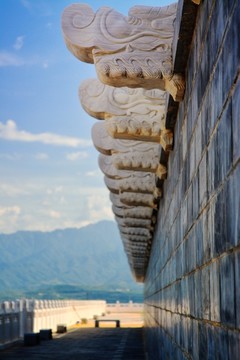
192 288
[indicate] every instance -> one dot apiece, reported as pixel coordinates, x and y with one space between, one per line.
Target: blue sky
49 176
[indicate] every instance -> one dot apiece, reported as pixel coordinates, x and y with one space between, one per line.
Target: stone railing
22 316
124 308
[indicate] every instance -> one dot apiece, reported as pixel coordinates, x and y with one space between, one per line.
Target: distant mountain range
65 262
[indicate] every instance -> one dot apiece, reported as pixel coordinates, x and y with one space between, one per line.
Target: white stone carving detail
133 51
132 199
136 250
130 114
132 222
137 199
120 170
137 182
106 166
136 238
137 161
105 102
105 144
135 231
141 130
121 127
137 212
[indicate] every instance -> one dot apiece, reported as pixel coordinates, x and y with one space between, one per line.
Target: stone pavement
84 344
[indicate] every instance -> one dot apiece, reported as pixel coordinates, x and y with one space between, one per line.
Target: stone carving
115 199
106 166
117 166
134 250
138 263
133 51
142 130
133 59
133 199
128 154
133 253
136 238
132 222
130 114
119 211
138 199
105 144
140 161
104 102
139 212
137 182
135 231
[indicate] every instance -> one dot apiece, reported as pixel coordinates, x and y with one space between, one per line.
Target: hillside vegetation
65 262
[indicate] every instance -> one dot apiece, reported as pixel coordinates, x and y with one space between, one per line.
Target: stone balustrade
125 307
23 316
10 314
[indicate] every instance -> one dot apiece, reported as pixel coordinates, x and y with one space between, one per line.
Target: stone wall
192 288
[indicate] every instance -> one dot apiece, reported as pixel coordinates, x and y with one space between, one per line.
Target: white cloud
39 7
26 4
54 190
58 189
41 156
79 155
46 204
13 156
9 59
94 173
10 210
19 42
12 190
9 218
11 132
99 207
54 214
75 223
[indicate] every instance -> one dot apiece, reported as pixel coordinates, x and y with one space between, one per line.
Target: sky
49 175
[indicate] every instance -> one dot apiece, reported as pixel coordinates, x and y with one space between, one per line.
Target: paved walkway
84 344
